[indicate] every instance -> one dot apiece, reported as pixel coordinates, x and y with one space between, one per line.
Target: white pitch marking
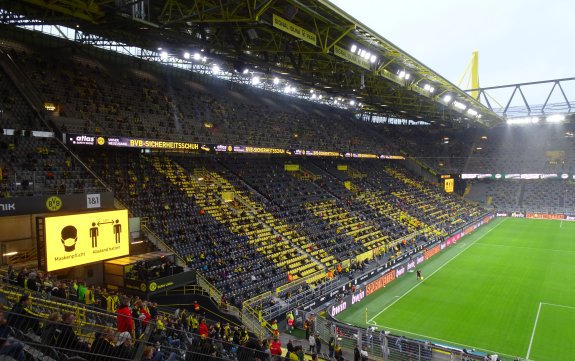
533 333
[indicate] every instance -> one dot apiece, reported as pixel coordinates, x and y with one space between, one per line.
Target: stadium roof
312 43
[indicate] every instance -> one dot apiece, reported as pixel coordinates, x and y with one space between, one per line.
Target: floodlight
447 98
353 48
186 55
555 118
215 69
472 112
255 80
276 80
373 59
163 55
459 105
197 56
352 102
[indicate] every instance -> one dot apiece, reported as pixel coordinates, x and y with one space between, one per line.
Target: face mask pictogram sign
84 238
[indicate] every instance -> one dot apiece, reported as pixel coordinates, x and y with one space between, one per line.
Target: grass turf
506 289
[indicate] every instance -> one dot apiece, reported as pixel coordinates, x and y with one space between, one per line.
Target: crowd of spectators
140 328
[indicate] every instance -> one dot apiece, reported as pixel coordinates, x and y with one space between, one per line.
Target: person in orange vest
339 268
290 277
196 307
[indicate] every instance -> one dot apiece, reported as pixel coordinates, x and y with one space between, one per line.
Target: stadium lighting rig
363 53
555 118
403 74
459 105
429 88
552 119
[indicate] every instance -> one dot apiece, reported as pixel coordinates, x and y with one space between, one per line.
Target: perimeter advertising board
78 239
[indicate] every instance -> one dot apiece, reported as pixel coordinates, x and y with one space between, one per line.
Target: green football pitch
508 288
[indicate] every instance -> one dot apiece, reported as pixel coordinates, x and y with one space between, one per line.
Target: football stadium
271 180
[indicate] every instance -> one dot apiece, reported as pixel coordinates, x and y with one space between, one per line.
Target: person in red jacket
143 313
276 347
124 317
203 329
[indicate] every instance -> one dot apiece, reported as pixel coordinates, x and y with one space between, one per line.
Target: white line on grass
561 224
556 305
537 318
434 272
533 333
380 327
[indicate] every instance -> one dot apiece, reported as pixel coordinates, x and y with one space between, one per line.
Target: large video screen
78 239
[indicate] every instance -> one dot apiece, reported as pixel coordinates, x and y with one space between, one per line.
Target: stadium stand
251 225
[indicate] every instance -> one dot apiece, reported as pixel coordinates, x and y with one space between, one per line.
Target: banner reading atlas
78 239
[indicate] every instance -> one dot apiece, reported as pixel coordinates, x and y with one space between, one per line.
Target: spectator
317 343
300 353
331 347
9 347
49 332
338 353
364 354
153 354
22 317
124 347
276 347
67 338
203 329
311 340
124 317
103 344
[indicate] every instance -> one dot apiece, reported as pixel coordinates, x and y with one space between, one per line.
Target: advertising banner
15 206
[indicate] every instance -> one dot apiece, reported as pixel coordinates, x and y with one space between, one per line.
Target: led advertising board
78 239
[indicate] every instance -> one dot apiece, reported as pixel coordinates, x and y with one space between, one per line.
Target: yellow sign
291 167
293 29
351 57
228 196
449 185
54 203
78 239
160 144
342 167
